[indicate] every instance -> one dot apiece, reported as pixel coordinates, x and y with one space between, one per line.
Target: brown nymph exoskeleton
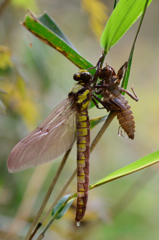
113 100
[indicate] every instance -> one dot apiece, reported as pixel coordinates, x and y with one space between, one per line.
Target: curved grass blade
50 38
33 24
115 3
50 23
121 19
127 73
140 164
131 168
95 121
61 210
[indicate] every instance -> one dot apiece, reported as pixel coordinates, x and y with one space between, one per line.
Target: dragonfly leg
135 97
100 101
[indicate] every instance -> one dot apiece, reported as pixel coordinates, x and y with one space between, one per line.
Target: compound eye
86 76
77 76
83 75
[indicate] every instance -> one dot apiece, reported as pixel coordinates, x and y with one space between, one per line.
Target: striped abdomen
124 114
83 152
80 96
126 120
114 100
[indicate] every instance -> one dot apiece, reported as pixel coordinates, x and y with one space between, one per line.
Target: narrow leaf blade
96 121
127 73
121 19
50 23
53 40
61 208
131 168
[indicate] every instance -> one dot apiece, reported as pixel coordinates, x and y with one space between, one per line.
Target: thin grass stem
30 235
60 195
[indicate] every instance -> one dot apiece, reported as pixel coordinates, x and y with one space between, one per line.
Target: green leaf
46 35
131 168
127 73
121 19
115 3
61 208
50 23
95 121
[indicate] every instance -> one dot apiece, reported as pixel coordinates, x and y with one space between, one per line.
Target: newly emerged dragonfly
113 99
55 135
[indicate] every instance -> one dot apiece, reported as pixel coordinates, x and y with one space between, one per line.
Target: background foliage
34 78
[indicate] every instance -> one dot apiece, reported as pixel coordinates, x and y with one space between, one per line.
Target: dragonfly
113 99
56 134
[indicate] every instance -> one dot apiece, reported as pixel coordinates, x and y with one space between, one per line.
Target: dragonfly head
83 76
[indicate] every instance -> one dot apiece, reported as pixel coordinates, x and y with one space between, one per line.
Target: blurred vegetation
34 78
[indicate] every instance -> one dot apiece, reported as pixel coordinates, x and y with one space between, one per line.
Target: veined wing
54 136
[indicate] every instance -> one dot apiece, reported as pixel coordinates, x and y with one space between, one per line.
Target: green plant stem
115 3
102 130
41 236
127 73
34 223
60 195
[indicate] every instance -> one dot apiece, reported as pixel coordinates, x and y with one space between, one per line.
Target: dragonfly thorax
80 94
80 97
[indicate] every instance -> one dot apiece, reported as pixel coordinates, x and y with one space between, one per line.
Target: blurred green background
35 79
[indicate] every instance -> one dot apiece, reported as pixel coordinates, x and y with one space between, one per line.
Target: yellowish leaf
19 99
5 58
97 12
26 4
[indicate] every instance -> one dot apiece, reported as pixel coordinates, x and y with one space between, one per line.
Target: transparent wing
54 136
